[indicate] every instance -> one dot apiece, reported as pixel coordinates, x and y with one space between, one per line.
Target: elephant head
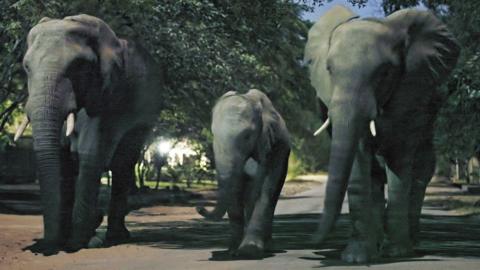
71 64
357 66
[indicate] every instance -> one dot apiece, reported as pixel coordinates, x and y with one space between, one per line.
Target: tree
207 47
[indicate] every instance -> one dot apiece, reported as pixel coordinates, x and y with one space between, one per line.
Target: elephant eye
329 68
329 65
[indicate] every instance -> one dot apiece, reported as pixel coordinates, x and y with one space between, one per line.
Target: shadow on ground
14 200
441 236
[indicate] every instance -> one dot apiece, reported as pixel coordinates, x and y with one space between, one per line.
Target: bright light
175 151
164 147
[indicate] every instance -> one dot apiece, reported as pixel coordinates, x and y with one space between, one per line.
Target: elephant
109 91
381 75
251 148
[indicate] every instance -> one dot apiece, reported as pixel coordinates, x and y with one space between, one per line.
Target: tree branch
5 115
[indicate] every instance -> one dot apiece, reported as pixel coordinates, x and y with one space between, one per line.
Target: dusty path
173 237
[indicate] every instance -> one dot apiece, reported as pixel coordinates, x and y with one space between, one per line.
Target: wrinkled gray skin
386 70
251 147
77 64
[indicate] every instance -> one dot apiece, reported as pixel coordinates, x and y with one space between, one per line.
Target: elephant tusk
322 128
373 130
21 128
70 123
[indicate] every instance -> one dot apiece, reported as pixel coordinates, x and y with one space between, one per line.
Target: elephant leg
85 216
123 174
423 169
236 212
90 149
253 189
379 179
276 195
399 177
118 207
67 189
260 226
250 196
364 242
253 186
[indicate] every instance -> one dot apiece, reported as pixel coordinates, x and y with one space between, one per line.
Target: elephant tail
215 214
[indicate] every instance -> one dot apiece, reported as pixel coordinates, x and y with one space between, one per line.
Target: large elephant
251 148
108 89
382 74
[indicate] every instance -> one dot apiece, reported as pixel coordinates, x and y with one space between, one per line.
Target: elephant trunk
228 170
46 109
219 210
47 151
346 132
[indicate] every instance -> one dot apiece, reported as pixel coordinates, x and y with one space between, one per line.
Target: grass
204 184
462 204
295 167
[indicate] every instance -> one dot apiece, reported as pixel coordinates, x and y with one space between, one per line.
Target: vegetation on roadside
462 204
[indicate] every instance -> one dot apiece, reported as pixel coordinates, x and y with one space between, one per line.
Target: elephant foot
82 239
118 235
96 242
75 245
397 250
251 248
234 242
46 248
359 251
79 240
269 244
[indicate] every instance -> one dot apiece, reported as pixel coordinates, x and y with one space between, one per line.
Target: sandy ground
175 237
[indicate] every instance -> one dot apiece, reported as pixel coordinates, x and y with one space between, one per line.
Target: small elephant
251 147
108 90
380 75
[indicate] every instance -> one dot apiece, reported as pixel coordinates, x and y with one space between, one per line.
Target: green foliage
458 129
206 48
13 27
295 167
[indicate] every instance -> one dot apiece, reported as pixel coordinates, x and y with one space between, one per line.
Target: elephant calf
251 146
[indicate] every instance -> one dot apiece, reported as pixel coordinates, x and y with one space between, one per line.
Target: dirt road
174 237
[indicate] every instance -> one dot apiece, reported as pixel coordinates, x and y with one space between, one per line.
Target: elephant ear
317 48
110 52
270 124
431 51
